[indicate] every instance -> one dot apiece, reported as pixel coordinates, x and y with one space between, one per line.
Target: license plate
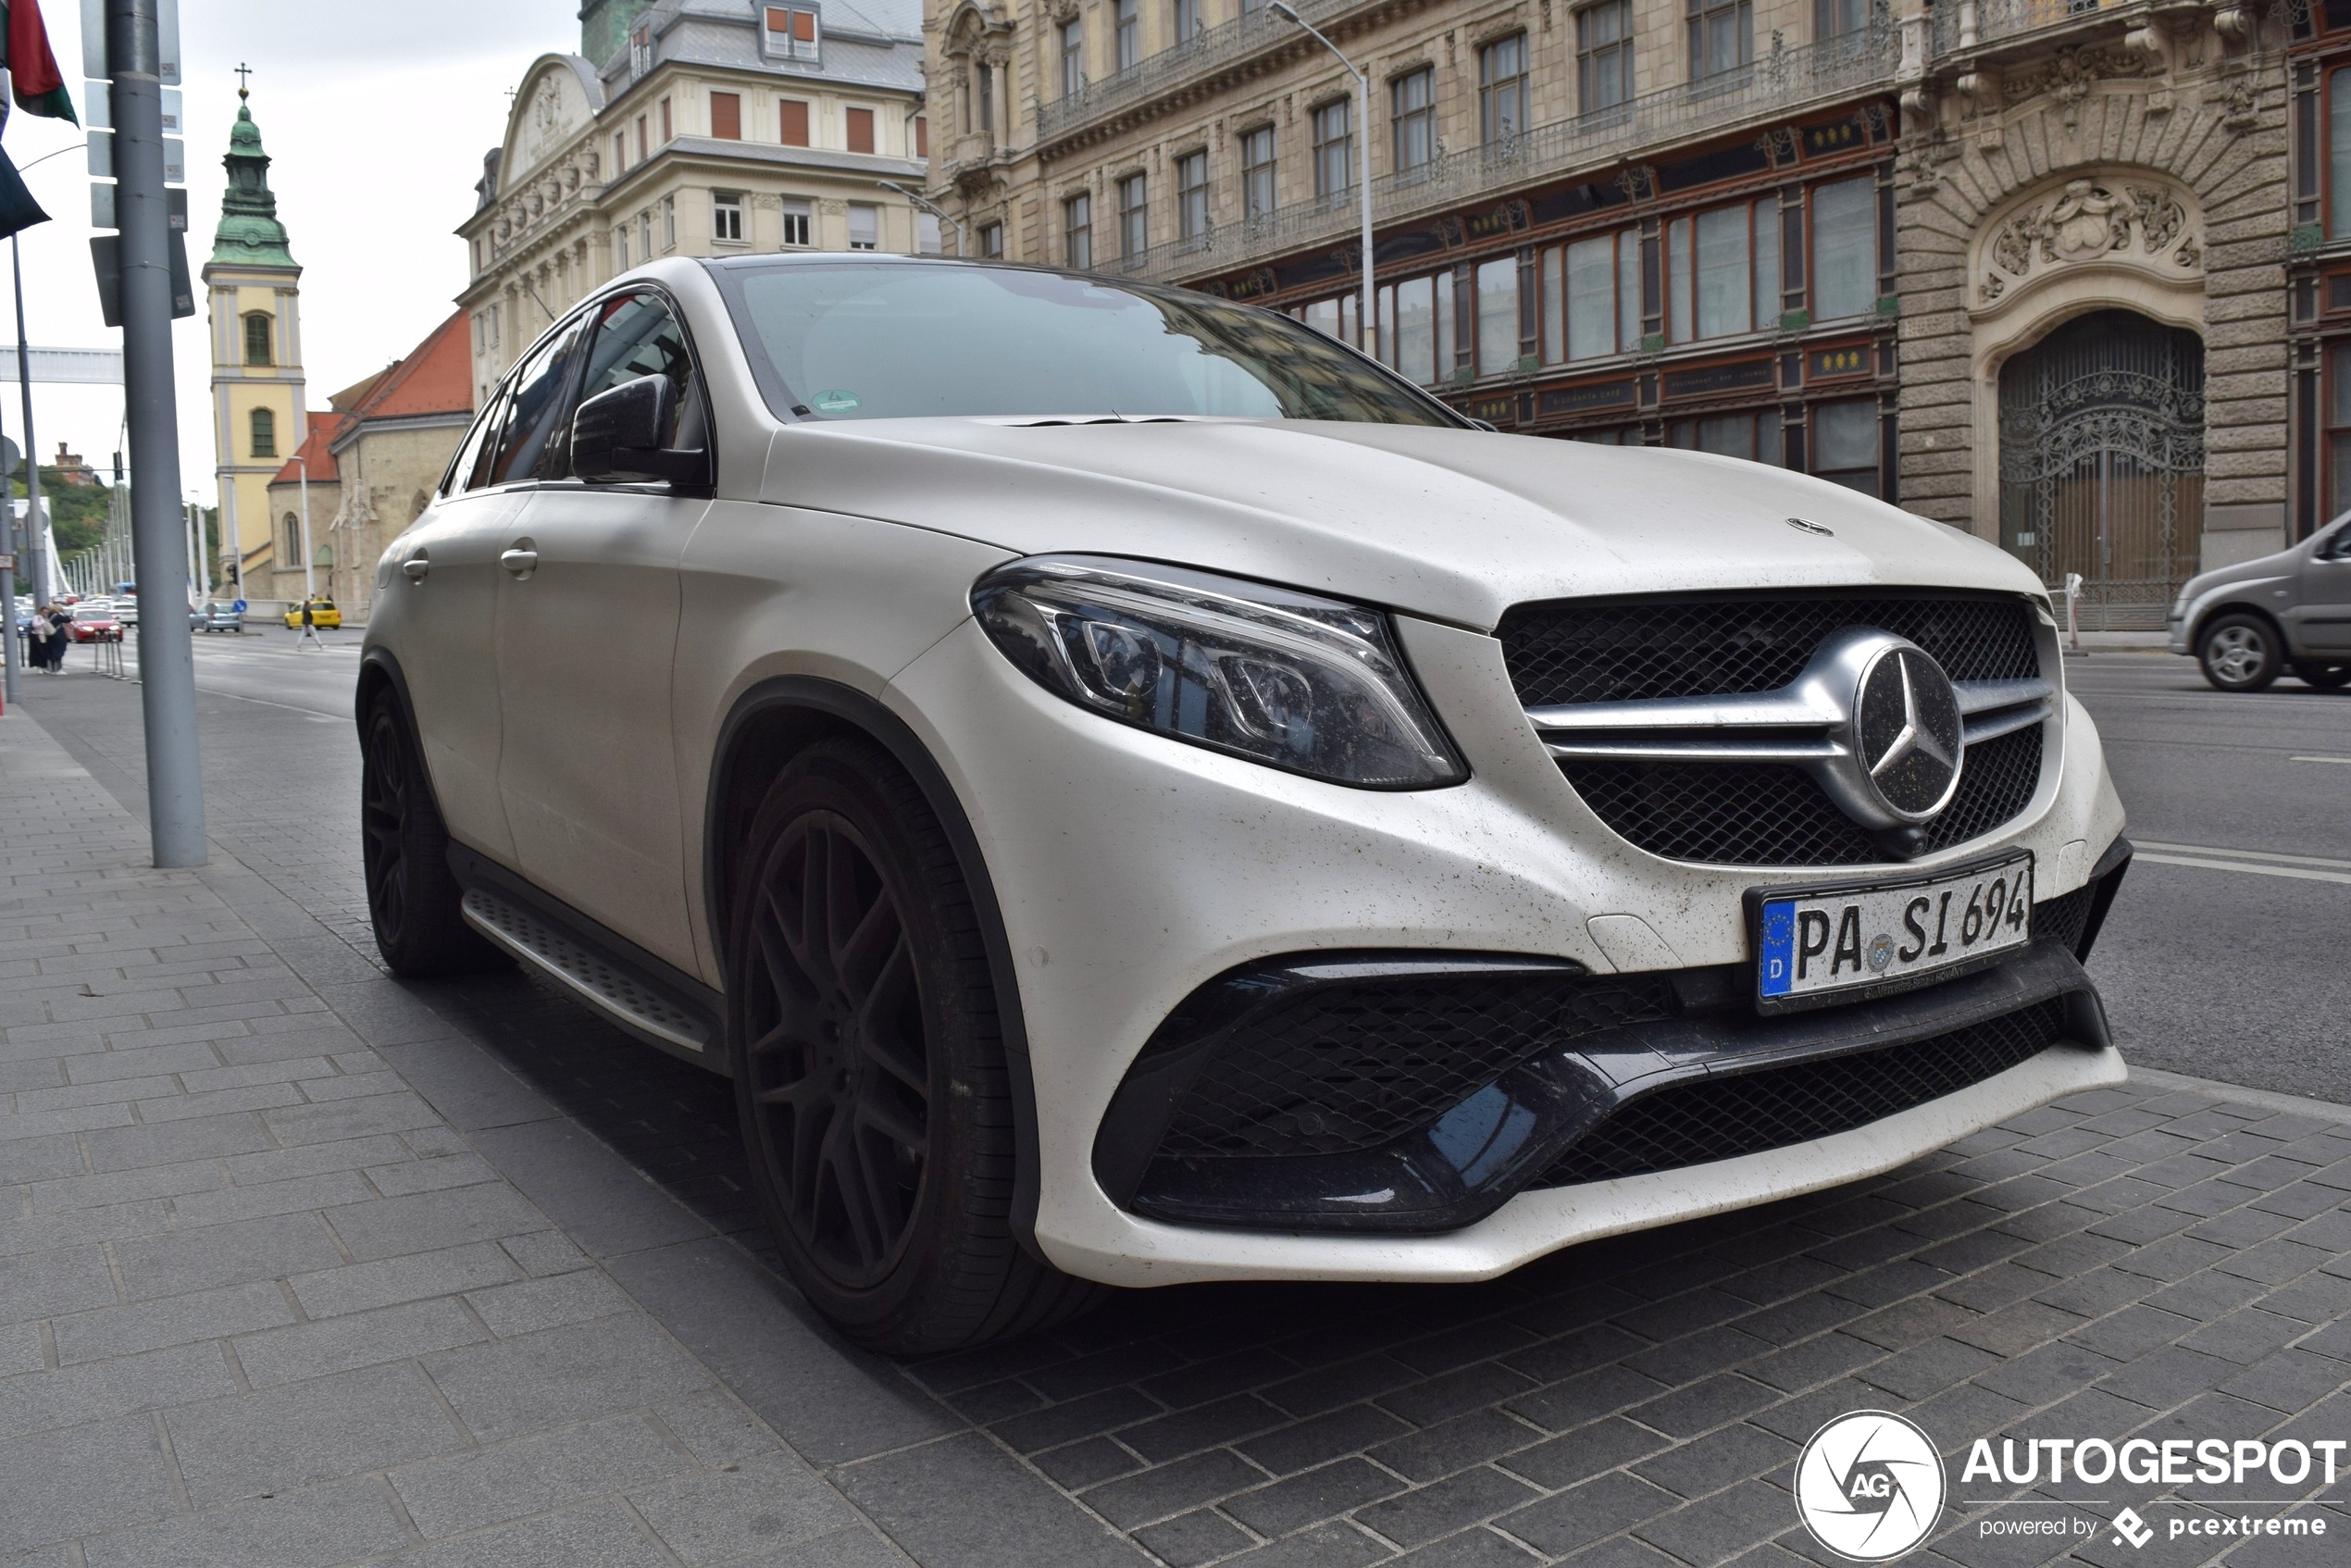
1844 943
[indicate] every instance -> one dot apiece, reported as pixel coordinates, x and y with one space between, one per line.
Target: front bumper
2179 624
1131 870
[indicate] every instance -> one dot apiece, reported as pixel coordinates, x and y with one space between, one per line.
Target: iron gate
2102 464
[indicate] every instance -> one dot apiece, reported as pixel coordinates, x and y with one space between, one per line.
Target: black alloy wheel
867 1051
2239 652
404 851
2325 677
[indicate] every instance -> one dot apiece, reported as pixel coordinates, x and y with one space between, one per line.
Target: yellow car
322 613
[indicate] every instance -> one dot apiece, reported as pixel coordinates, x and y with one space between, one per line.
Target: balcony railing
1201 53
1782 83
1965 24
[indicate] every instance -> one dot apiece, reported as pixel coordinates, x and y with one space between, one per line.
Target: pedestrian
58 618
36 638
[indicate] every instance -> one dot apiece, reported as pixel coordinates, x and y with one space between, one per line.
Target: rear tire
412 898
866 1035
2240 654
2325 677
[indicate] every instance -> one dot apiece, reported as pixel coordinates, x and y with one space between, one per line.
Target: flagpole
32 448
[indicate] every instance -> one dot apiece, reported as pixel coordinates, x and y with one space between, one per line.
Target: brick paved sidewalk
2164 1261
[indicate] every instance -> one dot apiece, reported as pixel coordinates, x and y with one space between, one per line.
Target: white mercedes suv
1134 793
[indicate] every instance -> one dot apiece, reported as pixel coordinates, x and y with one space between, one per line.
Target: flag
32 69
17 209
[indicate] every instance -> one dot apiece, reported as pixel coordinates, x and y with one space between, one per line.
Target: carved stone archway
2089 240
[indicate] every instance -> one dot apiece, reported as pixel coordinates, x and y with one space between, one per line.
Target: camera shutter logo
1869 1486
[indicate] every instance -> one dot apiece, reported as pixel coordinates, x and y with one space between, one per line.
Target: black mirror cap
616 436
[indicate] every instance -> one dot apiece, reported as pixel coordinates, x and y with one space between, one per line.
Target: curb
2266 1100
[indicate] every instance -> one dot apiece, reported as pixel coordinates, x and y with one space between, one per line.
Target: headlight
1284 678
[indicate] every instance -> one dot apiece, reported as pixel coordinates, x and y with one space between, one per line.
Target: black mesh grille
1351 1066
1726 1115
2061 919
1586 650
1752 814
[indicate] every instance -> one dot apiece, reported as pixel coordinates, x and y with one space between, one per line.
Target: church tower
258 421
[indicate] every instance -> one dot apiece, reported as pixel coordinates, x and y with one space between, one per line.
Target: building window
1188 21
727 116
988 100
797 221
1257 173
861 130
1592 297
789 34
1755 437
1501 88
1835 18
1845 444
792 114
1134 215
670 223
1335 148
619 151
258 330
1073 58
991 239
1416 320
291 553
640 139
1498 319
1191 194
265 433
922 136
1077 232
1129 33
1604 55
641 52
1845 260
1411 112
645 234
620 249
667 133
726 217
926 234
1722 36
2339 154
864 226
1724 268
1334 319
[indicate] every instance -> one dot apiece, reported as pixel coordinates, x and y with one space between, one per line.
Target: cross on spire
243 88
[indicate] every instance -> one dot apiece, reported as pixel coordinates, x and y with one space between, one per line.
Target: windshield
890 340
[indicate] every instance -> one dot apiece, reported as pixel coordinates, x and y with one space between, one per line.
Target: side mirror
616 437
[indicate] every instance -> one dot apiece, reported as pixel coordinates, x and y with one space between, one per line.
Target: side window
466 468
535 406
638 335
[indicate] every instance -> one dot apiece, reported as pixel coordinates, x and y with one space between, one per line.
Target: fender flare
845 706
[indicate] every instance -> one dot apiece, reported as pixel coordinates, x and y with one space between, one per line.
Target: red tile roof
435 378
315 451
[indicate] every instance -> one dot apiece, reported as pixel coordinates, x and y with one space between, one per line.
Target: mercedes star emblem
1905 731
1805 525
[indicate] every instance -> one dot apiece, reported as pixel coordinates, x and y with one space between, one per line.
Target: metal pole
310 638
1367 328
31 449
167 661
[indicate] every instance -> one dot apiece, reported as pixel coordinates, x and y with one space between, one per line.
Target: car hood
2277 563
1451 524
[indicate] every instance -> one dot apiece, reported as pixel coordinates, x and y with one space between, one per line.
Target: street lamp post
927 207
1366 322
309 566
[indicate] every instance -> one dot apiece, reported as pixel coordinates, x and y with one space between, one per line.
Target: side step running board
627 1000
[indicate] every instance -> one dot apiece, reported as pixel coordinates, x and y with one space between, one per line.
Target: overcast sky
375 117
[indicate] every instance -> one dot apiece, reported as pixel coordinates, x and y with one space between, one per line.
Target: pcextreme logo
1869 1486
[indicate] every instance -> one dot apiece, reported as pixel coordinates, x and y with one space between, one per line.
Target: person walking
57 617
36 639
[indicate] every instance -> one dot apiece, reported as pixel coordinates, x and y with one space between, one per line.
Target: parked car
126 609
322 613
213 616
1133 792
94 626
2247 624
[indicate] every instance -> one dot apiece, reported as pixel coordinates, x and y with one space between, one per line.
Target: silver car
2246 624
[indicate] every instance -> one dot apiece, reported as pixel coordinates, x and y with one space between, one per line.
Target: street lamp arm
927 205
1367 323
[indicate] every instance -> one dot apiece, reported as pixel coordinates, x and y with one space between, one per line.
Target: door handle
415 566
520 560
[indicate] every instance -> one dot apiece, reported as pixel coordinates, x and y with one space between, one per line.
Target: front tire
863 1030
2240 654
2325 677
412 898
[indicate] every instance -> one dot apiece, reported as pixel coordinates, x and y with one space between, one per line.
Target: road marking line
2246 854
2295 871
2320 759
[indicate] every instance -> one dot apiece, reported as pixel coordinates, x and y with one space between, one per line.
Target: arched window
292 554
257 335
265 433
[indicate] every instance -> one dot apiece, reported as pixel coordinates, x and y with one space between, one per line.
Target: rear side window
536 406
639 335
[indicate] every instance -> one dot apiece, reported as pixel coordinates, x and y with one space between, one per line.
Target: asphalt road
2227 957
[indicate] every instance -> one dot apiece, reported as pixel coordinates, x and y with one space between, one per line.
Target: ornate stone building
2017 265
695 128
